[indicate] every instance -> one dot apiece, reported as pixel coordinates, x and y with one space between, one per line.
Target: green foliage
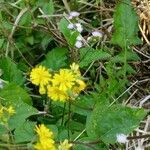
106 121
89 55
56 58
69 35
27 132
125 24
11 93
10 71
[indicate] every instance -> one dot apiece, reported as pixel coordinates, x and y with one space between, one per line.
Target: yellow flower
46 141
65 145
75 68
10 110
64 80
45 144
40 76
79 87
56 94
43 132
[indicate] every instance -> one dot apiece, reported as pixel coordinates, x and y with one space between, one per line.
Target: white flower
78 44
121 138
79 38
74 14
70 26
97 34
1 84
79 27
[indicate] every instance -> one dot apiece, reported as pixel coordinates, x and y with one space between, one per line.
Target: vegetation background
109 40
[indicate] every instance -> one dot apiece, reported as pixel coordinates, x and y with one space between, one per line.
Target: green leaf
48 8
1 42
10 71
84 146
89 55
56 58
69 35
125 25
23 111
25 132
12 92
106 122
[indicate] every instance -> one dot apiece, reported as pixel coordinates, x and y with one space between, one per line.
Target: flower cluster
46 140
6 113
62 85
76 25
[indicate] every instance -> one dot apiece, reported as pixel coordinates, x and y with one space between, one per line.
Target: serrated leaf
89 55
69 35
10 71
56 58
12 92
23 111
25 132
130 56
125 25
105 123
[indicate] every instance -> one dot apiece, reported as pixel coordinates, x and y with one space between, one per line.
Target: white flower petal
70 26
97 34
74 14
78 44
121 138
79 27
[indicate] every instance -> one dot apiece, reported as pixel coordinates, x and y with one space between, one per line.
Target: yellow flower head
75 68
45 144
56 94
64 80
46 141
65 145
10 110
40 76
43 132
80 86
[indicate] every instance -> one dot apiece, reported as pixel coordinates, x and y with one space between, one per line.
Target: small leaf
106 122
89 55
125 25
10 71
56 58
48 8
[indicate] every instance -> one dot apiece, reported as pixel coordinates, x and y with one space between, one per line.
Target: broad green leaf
106 122
11 93
125 25
89 55
23 111
56 58
69 35
10 71
25 132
